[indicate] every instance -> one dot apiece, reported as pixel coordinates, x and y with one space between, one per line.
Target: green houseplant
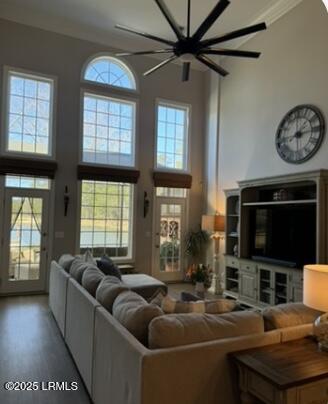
169 255
196 243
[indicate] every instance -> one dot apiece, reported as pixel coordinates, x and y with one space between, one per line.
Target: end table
293 372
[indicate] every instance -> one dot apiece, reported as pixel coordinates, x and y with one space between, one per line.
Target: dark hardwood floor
32 349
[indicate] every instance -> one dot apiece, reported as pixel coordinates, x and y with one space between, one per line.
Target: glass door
170 222
265 286
25 240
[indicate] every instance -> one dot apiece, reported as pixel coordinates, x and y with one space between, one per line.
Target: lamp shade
213 223
316 287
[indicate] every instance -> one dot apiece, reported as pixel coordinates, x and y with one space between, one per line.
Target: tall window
29 114
106 218
172 137
108 131
108 140
110 71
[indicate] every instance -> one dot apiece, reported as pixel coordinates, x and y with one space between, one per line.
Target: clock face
300 134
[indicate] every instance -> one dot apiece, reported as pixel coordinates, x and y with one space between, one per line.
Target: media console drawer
232 262
250 267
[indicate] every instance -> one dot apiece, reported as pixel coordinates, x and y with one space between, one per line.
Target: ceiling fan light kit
189 47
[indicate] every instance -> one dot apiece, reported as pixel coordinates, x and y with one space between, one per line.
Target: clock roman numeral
314 119
316 129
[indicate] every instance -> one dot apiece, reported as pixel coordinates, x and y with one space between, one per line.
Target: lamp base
320 330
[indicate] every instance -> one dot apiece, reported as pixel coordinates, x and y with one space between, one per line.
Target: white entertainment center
261 281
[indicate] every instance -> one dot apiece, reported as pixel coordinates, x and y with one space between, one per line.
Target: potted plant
196 243
201 276
169 256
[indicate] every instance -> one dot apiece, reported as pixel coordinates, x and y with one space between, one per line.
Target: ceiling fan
192 46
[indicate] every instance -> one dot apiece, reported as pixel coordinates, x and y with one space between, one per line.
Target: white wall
292 70
49 53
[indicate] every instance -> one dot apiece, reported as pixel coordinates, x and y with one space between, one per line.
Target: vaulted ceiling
95 20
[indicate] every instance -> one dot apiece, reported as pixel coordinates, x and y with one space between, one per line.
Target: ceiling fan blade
231 52
188 18
168 16
185 71
235 34
165 62
209 63
153 52
210 19
144 34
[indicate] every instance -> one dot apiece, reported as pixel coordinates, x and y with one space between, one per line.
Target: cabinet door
265 286
281 286
248 286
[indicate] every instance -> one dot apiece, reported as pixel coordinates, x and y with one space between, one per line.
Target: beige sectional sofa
118 369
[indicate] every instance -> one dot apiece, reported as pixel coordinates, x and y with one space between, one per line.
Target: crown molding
270 16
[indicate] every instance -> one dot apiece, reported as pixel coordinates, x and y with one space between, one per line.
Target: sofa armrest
80 320
58 294
117 365
297 332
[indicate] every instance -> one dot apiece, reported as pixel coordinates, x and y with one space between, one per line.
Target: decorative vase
200 289
321 331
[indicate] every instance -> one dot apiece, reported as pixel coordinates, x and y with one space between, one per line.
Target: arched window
110 71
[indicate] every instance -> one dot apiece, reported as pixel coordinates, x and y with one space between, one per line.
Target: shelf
233 280
230 215
272 203
281 296
283 285
266 291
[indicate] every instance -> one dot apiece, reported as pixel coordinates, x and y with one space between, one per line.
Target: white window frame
117 98
132 237
120 61
5 115
51 223
188 108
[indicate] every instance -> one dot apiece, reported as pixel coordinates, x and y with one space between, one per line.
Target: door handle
157 245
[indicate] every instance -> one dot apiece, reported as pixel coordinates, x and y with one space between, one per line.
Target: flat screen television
285 235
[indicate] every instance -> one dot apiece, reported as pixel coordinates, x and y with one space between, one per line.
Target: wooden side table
293 372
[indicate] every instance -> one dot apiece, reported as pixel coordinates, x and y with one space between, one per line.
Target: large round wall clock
300 134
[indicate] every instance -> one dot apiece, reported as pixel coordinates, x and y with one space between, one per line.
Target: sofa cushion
219 306
108 267
144 285
288 315
78 267
183 329
65 261
135 314
108 290
91 279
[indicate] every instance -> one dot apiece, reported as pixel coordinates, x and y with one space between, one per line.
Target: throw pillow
288 315
77 269
91 279
88 257
65 261
219 306
135 314
108 290
184 329
157 298
108 267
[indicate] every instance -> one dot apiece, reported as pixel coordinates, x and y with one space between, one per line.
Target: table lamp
316 297
215 225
